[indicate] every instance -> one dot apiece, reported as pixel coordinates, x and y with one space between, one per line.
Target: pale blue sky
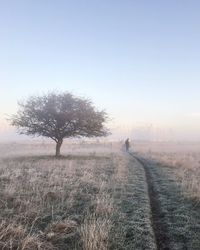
140 60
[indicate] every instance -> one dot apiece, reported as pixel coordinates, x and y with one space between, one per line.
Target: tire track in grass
158 224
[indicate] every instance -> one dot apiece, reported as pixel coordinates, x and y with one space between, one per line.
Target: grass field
183 157
96 197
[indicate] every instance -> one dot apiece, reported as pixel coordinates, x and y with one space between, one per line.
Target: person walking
127 144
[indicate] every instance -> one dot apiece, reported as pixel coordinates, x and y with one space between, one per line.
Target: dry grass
183 157
94 197
173 171
95 232
64 203
14 236
187 169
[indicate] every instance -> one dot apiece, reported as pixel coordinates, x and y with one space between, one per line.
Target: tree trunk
58 146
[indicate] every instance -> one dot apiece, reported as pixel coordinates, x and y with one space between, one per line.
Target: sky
138 60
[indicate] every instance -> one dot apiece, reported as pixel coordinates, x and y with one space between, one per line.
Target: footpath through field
132 200
175 220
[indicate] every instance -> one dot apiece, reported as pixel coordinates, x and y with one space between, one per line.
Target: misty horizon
138 61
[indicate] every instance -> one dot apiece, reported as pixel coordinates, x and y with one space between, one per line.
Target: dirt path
158 224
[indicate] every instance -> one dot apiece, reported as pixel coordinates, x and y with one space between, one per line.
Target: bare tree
58 116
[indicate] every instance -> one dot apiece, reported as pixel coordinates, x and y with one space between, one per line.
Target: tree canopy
58 116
